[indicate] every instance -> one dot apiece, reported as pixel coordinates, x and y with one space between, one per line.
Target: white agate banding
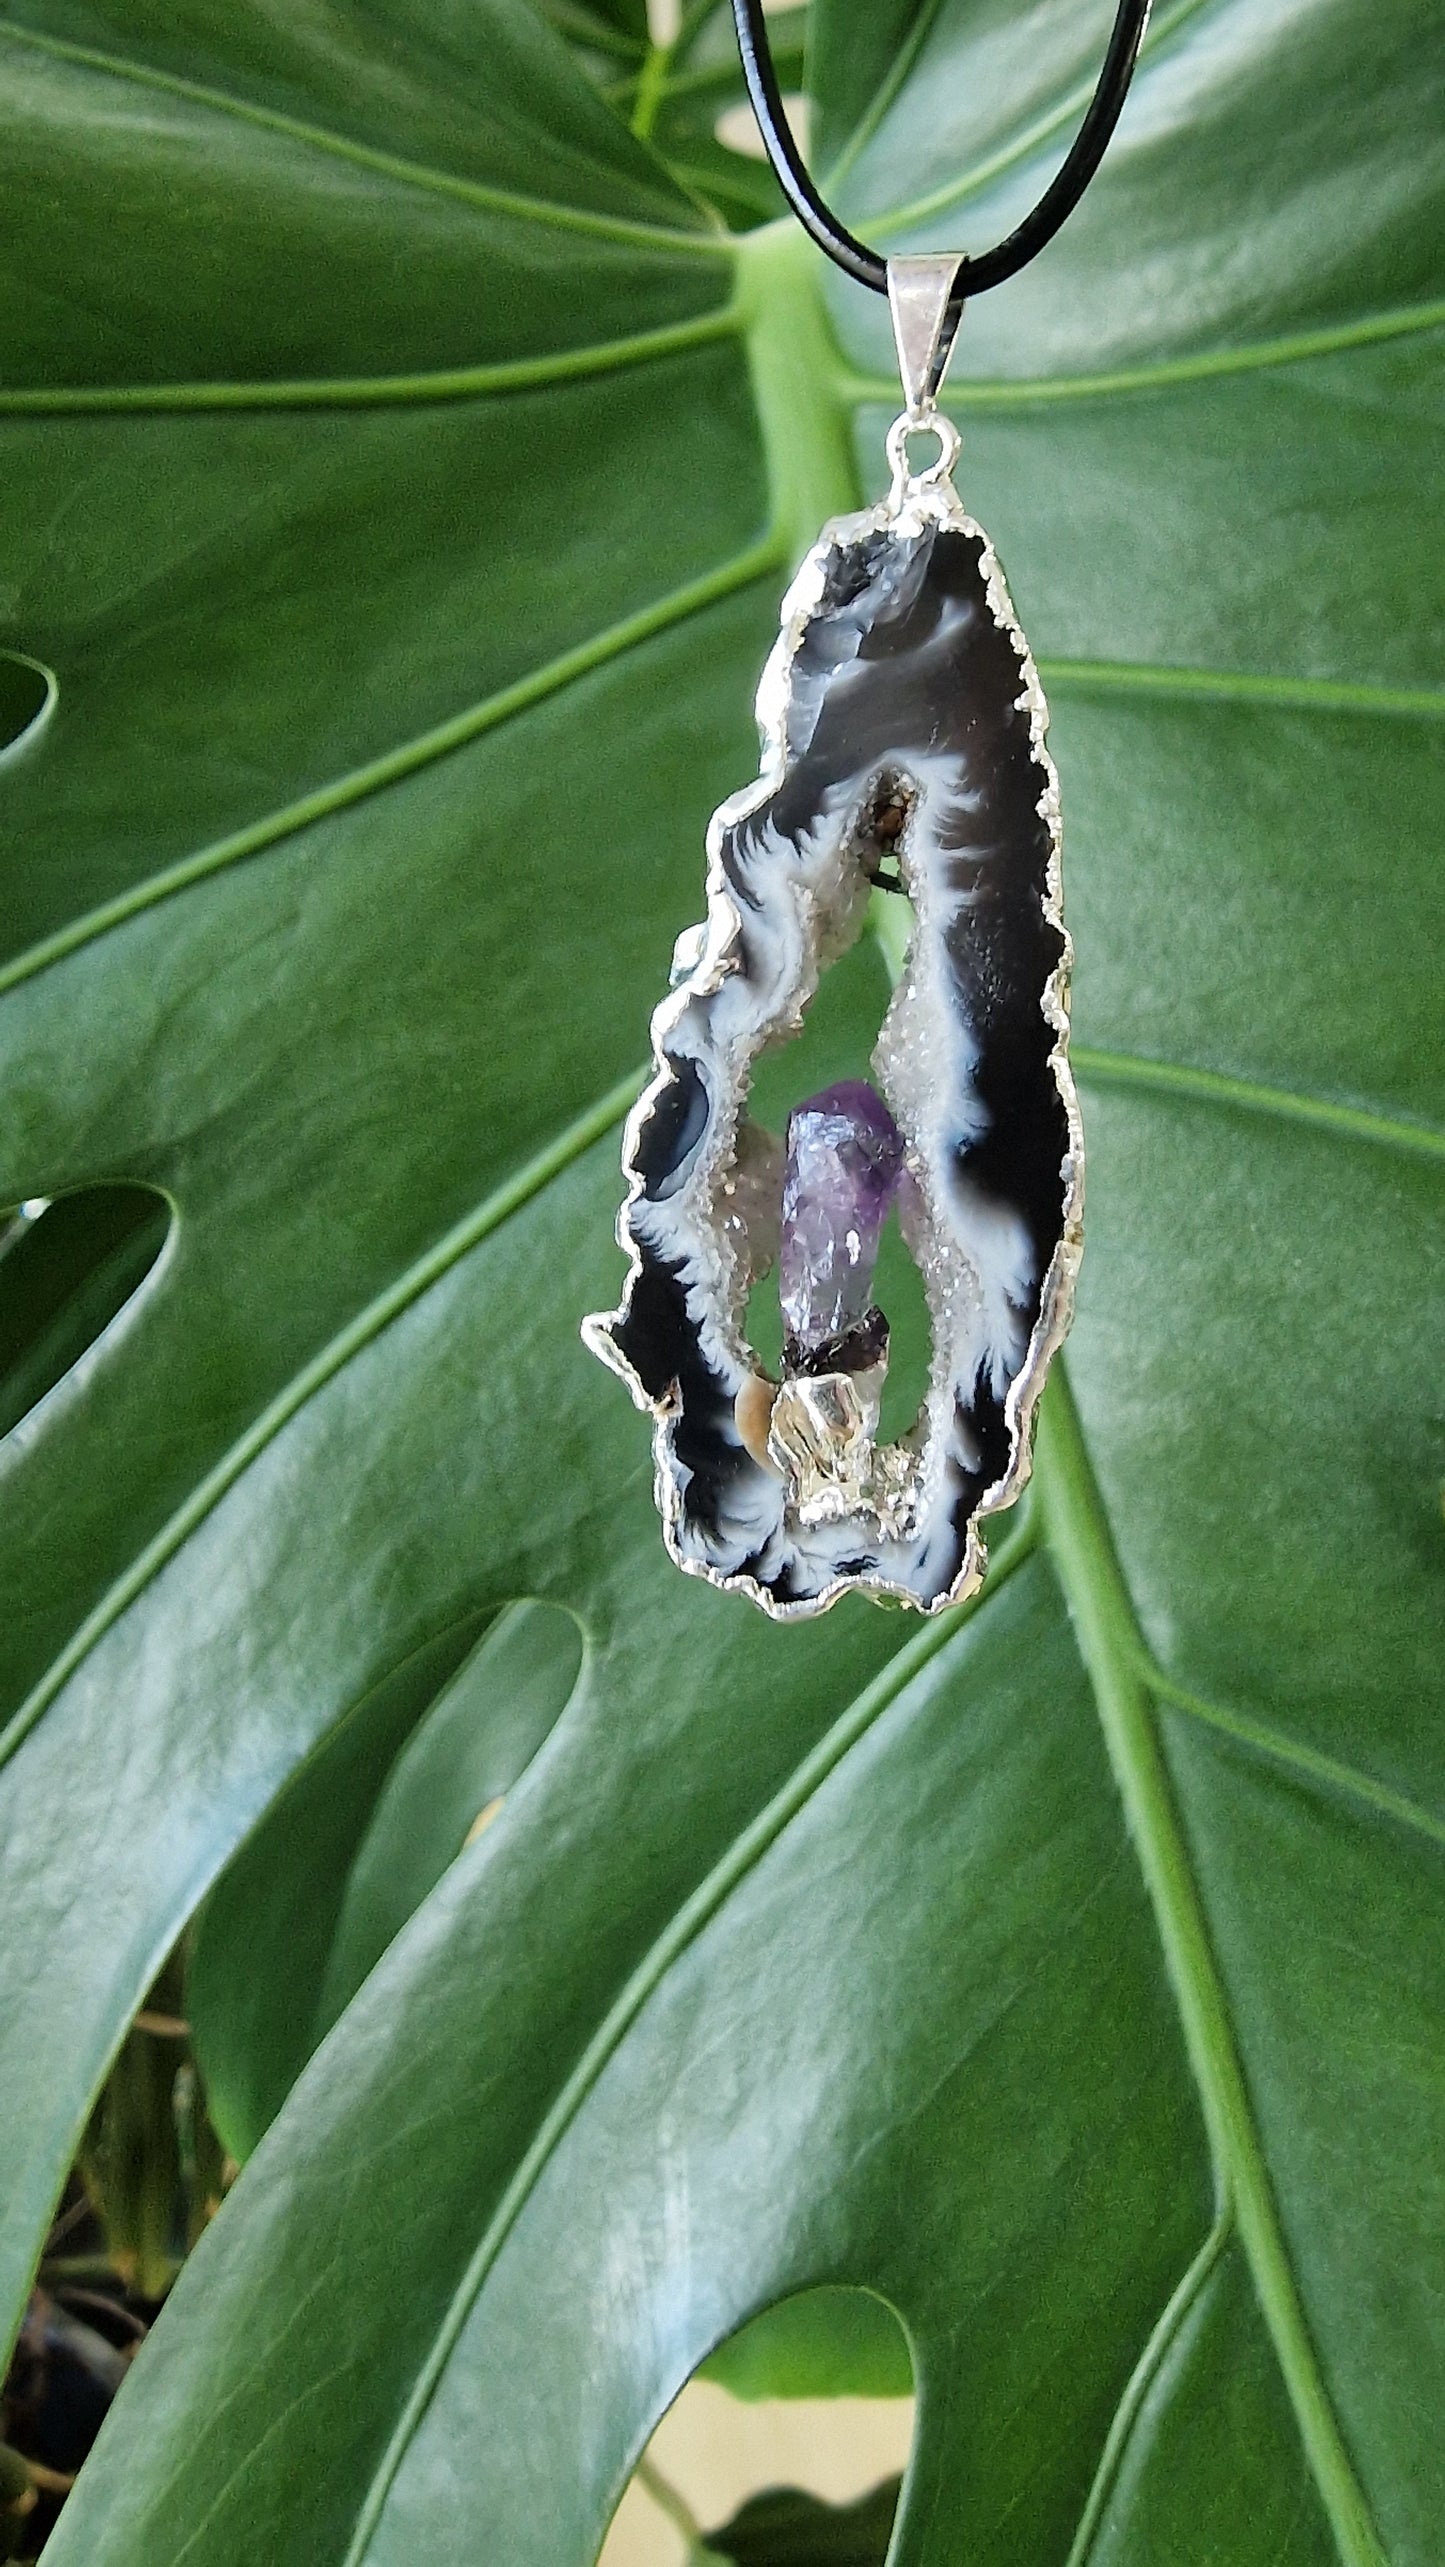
900 677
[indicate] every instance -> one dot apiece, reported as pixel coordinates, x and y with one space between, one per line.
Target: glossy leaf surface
420 1768
405 527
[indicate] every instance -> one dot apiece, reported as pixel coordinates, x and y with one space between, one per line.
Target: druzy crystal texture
903 742
845 1157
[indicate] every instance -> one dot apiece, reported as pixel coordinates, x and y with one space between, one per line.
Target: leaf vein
1292 1105
371 391
1077 1531
390 165
397 764
1244 686
1330 1770
905 62
486 1218
941 200
1162 2336
1296 348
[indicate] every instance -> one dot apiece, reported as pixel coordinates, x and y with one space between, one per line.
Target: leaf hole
449 1783
29 692
787 2448
404 1785
69 1266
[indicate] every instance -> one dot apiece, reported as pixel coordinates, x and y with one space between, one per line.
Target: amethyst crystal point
845 1157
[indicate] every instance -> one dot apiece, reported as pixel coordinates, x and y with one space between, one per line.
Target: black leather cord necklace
903 749
991 267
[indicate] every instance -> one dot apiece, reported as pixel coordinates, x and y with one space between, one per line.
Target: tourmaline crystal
845 1157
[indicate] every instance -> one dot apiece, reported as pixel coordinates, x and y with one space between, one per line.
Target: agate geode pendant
903 744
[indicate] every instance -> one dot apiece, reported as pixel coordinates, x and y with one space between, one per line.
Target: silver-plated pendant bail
925 324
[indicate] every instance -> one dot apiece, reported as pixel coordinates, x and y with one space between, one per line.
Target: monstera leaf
401 471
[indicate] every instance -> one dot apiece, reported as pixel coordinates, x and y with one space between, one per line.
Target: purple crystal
845 1156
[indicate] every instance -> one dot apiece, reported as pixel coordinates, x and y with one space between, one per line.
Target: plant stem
668 2500
804 417
650 87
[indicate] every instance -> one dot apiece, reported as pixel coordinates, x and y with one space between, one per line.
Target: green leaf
592 22
354 1844
401 473
67 1269
694 88
786 2528
825 2343
26 694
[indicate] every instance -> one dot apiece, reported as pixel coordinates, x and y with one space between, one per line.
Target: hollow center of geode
842 1172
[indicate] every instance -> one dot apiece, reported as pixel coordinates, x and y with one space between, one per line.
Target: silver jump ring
918 423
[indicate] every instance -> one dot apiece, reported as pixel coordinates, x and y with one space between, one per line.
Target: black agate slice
903 729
